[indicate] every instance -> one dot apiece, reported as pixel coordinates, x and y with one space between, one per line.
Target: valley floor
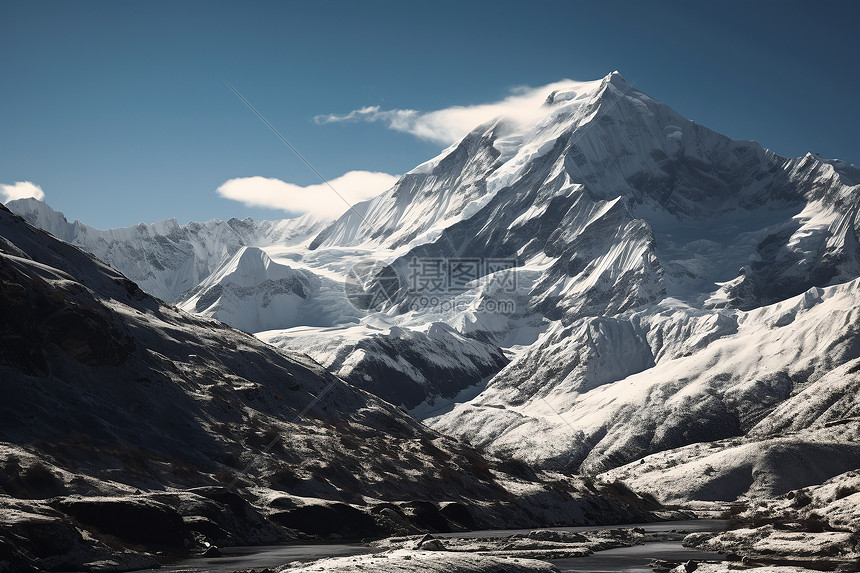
477 551
654 547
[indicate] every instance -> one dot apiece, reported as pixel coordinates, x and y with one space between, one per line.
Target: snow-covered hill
253 293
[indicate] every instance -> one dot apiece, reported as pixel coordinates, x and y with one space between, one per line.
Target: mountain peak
569 91
249 267
252 258
615 76
250 262
40 214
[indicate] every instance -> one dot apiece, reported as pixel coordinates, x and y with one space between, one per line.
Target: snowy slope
253 293
726 470
610 391
625 201
405 366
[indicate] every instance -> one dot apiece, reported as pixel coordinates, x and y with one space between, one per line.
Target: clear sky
118 110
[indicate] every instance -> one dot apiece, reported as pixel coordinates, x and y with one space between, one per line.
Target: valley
603 314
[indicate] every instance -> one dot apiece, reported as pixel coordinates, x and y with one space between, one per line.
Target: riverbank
475 551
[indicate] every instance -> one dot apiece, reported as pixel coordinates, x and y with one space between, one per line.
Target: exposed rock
406 561
813 527
459 514
330 520
431 545
33 537
557 536
212 551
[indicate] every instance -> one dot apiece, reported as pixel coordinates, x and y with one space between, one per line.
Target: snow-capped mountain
606 281
166 259
656 251
253 293
621 201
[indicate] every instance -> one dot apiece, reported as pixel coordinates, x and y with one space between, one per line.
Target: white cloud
522 106
320 199
21 190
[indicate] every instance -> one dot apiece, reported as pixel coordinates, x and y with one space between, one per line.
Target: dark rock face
34 313
49 537
12 560
48 540
331 520
29 481
459 514
429 517
175 522
222 517
147 523
35 537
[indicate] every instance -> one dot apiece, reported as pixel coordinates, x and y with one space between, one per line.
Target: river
261 556
626 559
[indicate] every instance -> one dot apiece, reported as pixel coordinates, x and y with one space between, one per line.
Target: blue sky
119 112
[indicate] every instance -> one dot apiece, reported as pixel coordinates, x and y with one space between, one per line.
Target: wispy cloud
522 105
351 187
21 190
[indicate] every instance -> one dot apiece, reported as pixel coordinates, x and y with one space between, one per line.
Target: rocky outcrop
816 527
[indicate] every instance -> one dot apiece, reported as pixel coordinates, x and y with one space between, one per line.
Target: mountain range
607 289
129 427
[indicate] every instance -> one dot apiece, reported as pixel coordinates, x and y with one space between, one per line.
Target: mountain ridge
167 258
